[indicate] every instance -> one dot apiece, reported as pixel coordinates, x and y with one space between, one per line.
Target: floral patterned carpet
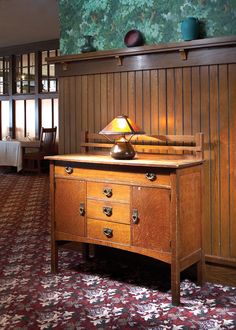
108 292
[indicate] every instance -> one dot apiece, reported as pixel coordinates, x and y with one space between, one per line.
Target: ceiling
27 21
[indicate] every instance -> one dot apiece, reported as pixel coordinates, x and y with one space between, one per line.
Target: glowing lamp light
121 126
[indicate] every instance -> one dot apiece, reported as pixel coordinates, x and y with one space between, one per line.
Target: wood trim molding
230 262
167 47
183 54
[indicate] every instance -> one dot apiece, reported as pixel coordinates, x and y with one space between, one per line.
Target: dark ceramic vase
190 28
88 45
134 38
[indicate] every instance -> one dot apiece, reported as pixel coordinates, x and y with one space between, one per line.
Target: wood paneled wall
173 99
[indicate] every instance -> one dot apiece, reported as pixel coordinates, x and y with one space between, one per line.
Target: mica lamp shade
122 126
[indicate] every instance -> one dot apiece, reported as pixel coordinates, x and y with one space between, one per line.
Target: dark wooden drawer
99 230
109 211
123 177
108 191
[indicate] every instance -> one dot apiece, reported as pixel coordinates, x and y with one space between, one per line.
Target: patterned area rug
107 292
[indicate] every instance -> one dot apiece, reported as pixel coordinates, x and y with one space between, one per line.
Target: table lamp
122 126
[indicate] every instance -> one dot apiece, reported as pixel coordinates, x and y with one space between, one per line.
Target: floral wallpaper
159 20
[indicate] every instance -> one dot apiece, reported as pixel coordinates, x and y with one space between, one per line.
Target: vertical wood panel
205 124
146 124
131 95
196 98
110 98
84 101
117 94
61 147
224 159
97 103
179 101
91 106
72 119
187 106
162 102
139 98
67 115
154 102
232 107
124 93
214 160
170 101
78 105
104 110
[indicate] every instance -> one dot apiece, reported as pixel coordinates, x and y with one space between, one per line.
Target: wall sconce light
122 126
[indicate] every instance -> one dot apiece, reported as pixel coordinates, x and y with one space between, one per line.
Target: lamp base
122 150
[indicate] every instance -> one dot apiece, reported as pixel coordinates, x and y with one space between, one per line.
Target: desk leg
175 284
85 251
54 257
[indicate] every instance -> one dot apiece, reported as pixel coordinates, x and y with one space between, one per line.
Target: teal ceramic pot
190 28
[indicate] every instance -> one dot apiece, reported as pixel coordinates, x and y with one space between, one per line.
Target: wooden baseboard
221 274
221 270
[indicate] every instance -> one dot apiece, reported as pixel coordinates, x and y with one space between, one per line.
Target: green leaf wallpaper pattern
159 20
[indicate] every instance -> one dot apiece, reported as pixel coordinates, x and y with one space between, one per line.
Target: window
49 82
30 119
28 91
20 120
25 73
5 119
4 75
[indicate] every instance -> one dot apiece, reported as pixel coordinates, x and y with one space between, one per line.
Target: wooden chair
34 160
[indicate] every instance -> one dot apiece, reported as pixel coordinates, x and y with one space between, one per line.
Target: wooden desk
145 205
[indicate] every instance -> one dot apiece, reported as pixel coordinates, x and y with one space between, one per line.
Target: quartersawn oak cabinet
147 205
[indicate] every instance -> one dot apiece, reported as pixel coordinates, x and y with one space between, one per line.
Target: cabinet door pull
81 209
108 232
151 176
107 210
68 170
135 218
107 192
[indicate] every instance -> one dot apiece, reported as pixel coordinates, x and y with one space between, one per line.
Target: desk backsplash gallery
158 20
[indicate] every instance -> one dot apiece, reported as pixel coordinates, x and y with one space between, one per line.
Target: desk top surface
140 160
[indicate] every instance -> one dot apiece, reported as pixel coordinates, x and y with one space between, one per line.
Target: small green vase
190 28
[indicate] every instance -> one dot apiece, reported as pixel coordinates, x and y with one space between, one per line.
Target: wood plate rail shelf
150 205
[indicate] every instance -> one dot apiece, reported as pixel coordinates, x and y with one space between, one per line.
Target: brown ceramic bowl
133 38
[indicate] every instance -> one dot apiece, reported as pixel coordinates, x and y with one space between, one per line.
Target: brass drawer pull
107 192
68 170
107 210
81 209
108 232
151 176
135 218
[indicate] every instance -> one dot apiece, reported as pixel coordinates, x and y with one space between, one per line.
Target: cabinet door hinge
170 244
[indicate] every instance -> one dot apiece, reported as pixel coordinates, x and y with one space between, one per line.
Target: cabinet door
152 227
69 194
